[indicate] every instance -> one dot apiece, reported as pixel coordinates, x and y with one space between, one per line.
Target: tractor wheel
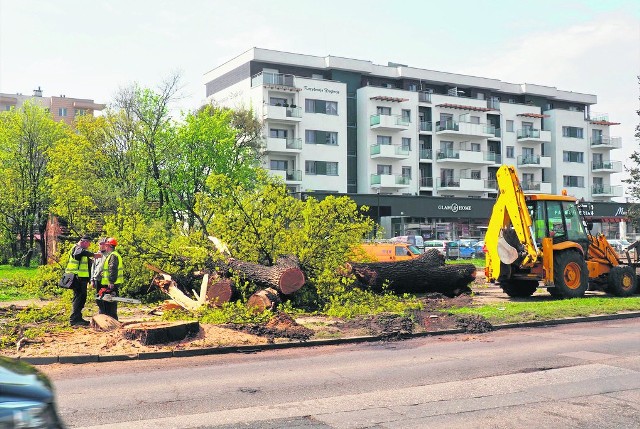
519 289
570 274
554 292
622 281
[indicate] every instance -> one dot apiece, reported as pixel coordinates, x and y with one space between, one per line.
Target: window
384 169
384 139
412 87
510 126
573 181
475 147
278 164
510 152
383 110
569 156
62 111
277 101
573 132
406 143
527 178
80 112
321 106
406 172
321 137
321 168
277 133
474 119
475 174
316 76
406 115
527 126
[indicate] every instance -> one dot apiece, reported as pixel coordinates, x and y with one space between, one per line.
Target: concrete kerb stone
311 343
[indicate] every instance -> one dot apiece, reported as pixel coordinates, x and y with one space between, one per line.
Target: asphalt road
584 375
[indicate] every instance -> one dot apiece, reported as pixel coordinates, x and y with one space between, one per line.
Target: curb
80 359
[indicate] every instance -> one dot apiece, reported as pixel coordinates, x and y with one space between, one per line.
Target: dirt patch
279 326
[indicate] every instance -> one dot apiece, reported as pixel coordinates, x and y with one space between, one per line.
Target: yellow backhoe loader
533 238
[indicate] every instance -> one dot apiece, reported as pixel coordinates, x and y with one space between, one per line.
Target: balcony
606 191
426 154
465 129
535 187
389 181
532 135
606 167
534 161
290 176
606 142
284 145
426 182
493 104
392 151
389 122
282 113
274 79
426 126
491 184
497 133
466 156
463 184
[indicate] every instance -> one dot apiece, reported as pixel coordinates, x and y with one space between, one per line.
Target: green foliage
357 302
33 322
230 312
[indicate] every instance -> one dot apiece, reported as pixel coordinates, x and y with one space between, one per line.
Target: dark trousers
79 298
108 308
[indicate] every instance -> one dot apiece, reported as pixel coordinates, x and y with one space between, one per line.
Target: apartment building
62 108
341 125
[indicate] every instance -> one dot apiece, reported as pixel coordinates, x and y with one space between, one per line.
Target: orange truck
390 252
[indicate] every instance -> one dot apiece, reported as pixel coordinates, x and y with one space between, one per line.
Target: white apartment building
343 125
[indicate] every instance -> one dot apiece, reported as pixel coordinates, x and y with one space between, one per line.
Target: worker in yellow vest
112 278
80 261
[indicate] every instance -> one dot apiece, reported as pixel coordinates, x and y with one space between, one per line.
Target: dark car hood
19 381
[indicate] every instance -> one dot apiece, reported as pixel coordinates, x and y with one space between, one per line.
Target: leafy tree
634 180
26 137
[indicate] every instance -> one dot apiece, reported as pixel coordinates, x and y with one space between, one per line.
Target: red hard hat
111 242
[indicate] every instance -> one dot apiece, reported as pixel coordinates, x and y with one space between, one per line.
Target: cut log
285 276
102 322
219 290
149 333
427 273
264 299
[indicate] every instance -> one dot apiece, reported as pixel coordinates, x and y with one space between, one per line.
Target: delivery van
416 240
389 252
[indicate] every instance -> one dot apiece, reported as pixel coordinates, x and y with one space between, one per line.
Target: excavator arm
510 209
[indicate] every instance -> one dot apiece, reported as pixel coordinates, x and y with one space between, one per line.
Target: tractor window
536 211
554 218
575 228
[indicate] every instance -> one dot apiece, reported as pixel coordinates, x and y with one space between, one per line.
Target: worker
112 278
96 270
80 264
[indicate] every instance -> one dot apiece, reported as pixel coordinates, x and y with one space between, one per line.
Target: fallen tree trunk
285 276
427 273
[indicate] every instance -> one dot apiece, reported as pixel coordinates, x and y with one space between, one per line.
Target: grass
12 280
478 262
512 312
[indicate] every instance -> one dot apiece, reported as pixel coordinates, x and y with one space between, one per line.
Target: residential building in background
62 108
341 125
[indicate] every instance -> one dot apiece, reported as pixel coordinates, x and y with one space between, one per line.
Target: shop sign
454 208
323 90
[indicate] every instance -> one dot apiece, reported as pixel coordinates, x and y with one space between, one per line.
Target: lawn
11 281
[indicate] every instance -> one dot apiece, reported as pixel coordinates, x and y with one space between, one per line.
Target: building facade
343 125
61 108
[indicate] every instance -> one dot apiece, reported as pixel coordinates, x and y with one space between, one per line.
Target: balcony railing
467 127
530 185
497 158
384 149
426 126
615 191
614 166
613 142
294 143
493 104
491 184
394 120
279 144
529 160
397 179
294 175
448 154
447 126
426 154
267 78
497 132
528 133
449 182
426 182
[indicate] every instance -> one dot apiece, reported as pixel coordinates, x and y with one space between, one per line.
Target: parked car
450 249
467 249
479 249
26 397
415 240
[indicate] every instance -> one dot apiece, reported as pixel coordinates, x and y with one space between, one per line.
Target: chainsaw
110 298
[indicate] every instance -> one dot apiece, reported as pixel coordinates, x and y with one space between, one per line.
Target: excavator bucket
506 252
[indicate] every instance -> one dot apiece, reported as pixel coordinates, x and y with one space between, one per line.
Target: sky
90 49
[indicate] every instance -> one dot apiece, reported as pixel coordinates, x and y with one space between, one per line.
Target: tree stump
264 299
149 333
102 322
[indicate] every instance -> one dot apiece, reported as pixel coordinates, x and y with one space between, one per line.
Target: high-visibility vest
105 269
79 268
